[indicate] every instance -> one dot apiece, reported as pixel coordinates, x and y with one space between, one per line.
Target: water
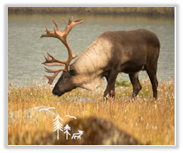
26 49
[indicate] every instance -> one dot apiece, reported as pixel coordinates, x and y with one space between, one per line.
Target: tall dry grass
148 120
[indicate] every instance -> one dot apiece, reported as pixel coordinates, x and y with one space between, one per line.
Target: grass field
149 121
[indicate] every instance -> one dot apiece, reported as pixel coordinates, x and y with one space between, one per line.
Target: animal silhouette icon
77 135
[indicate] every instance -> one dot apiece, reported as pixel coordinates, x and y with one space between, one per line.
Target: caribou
111 53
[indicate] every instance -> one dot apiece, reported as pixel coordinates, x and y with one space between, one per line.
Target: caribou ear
72 72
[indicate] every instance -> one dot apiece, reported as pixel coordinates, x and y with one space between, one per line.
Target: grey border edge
178 76
91 4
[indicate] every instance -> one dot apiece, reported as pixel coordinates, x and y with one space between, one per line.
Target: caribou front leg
110 90
136 84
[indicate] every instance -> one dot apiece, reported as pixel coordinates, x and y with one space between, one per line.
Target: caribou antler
62 36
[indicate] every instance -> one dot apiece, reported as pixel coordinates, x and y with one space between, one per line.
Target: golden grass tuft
148 120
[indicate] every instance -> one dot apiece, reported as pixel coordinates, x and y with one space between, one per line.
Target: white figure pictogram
57 125
77 135
66 128
71 116
45 109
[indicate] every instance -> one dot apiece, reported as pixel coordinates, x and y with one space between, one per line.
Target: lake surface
26 49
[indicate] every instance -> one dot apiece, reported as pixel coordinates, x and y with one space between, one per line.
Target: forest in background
142 11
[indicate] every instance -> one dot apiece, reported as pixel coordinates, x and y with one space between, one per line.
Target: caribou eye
72 72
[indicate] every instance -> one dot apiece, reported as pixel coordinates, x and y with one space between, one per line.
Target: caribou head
65 82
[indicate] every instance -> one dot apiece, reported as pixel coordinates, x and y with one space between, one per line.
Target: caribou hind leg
136 84
152 75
